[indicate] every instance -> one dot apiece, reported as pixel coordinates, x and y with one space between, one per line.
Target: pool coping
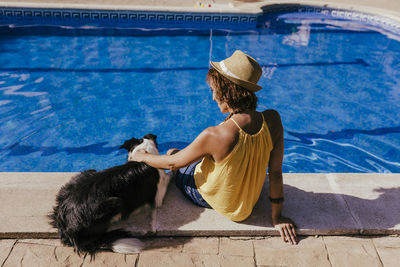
222 6
320 204
219 6
223 14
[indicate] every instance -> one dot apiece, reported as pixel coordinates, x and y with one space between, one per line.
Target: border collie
91 202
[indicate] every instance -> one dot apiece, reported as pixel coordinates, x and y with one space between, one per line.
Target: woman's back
232 186
226 135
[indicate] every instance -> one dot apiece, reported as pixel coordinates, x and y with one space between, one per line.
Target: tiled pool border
123 17
131 18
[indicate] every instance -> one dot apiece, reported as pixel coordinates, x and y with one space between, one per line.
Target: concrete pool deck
342 220
360 206
320 204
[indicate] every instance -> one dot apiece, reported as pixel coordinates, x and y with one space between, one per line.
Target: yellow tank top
233 186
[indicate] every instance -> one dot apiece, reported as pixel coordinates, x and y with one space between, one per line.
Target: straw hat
240 69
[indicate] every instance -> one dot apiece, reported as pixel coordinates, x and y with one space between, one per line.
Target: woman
225 166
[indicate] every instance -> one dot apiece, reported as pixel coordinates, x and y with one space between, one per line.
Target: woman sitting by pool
224 168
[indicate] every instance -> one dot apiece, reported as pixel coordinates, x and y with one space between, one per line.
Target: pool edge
321 204
223 6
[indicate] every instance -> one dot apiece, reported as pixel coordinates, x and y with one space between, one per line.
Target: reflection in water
299 38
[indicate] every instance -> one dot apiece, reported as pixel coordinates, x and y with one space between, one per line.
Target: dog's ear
151 137
131 143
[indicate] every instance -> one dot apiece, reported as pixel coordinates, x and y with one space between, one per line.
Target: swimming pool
70 95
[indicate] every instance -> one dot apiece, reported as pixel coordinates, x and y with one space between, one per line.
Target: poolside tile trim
131 18
123 17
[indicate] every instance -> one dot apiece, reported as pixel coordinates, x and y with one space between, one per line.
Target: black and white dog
92 201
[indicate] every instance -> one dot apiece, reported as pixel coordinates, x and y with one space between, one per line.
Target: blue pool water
70 96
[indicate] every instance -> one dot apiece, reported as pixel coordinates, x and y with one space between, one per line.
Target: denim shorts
184 180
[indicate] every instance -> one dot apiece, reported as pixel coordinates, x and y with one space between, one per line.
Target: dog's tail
127 245
118 241
122 242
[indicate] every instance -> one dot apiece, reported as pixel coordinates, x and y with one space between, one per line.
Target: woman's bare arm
203 144
284 225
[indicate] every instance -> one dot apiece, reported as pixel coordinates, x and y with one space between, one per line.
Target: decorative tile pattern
124 17
131 18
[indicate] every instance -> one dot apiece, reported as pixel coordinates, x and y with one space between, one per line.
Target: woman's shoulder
274 122
221 132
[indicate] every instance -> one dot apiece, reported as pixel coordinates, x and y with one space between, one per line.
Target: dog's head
147 143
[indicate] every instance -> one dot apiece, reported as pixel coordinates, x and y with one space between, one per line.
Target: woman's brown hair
238 98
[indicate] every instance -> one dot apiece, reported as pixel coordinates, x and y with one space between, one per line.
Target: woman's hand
286 228
138 156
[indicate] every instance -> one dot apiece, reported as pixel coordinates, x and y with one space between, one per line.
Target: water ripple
4 102
14 90
307 138
327 155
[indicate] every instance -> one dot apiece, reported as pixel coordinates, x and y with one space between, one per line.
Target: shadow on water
18 149
332 211
98 149
153 70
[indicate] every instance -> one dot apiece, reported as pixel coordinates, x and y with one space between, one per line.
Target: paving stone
49 242
236 261
5 247
162 259
24 254
273 251
374 200
66 257
388 250
351 251
202 245
236 247
171 244
111 259
30 255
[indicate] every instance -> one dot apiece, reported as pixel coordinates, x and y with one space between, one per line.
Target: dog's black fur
86 205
